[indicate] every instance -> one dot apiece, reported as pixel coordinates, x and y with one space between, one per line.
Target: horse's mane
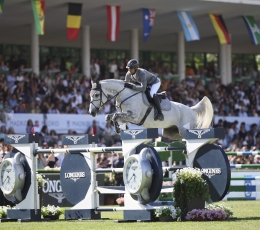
116 80
94 85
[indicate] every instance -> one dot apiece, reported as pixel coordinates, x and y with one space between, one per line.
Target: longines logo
16 138
198 132
53 189
75 175
57 196
209 172
133 132
75 139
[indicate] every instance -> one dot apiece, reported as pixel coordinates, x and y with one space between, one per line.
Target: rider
145 78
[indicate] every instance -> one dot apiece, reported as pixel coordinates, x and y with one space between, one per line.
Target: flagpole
181 56
229 62
86 51
34 50
134 44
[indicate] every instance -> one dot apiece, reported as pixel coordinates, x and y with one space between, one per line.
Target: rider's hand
128 85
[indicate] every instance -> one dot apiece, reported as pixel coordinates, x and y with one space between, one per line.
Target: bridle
101 103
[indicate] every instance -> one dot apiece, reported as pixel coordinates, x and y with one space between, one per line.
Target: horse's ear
98 85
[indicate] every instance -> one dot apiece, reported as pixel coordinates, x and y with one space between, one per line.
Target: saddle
161 95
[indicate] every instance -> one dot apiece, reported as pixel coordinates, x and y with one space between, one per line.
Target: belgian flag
73 20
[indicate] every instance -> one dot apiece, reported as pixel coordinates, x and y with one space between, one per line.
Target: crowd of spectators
57 92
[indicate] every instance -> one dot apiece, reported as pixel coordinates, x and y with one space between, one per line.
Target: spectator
11 78
102 69
68 63
118 162
189 71
52 161
122 70
10 130
3 66
29 126
102 161
112 69
94 129
12 102
78 97
1 151
36 127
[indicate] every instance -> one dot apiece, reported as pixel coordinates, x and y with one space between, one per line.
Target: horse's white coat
134 109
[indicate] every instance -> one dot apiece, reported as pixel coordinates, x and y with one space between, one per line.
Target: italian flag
253 29
38 7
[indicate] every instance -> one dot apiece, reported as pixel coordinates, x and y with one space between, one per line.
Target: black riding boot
158 107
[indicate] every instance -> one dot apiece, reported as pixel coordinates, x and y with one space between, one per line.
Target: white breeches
155 88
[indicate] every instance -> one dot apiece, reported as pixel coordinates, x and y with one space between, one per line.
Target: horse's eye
96 95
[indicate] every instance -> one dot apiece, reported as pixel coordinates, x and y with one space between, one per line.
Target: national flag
73 20
148 21
253 29
189 27
1 7
38 14
113 20
220 28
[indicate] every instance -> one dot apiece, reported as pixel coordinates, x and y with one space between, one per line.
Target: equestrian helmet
132 64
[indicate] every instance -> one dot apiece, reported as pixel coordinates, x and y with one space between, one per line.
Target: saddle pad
165 103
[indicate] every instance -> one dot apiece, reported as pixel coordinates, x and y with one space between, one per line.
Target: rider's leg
156 101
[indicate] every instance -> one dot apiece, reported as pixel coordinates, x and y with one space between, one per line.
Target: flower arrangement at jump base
211 212
120 201
51 212
40 179
206 214
168 213
3 211
191 191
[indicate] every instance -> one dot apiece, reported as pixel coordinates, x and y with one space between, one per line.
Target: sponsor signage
52 193
209 172
74 175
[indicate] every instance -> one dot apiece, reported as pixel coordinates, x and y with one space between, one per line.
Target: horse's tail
204 112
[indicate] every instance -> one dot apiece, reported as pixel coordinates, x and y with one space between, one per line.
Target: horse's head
95 99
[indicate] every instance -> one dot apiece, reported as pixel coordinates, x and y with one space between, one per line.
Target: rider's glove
128 85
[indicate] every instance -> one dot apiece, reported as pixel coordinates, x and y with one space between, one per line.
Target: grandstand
46 78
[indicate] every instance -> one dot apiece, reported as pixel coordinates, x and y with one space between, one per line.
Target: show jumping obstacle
78 171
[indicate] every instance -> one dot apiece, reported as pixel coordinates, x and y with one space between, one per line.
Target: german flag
220 28
73 20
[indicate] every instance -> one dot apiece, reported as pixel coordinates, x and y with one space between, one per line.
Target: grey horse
133 107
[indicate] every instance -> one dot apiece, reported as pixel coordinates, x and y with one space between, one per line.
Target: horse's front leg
120 117
108 117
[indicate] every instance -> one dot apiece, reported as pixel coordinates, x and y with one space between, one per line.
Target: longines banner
63 122
52 192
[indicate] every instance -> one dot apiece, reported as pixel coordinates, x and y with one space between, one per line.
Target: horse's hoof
118 130
107 118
